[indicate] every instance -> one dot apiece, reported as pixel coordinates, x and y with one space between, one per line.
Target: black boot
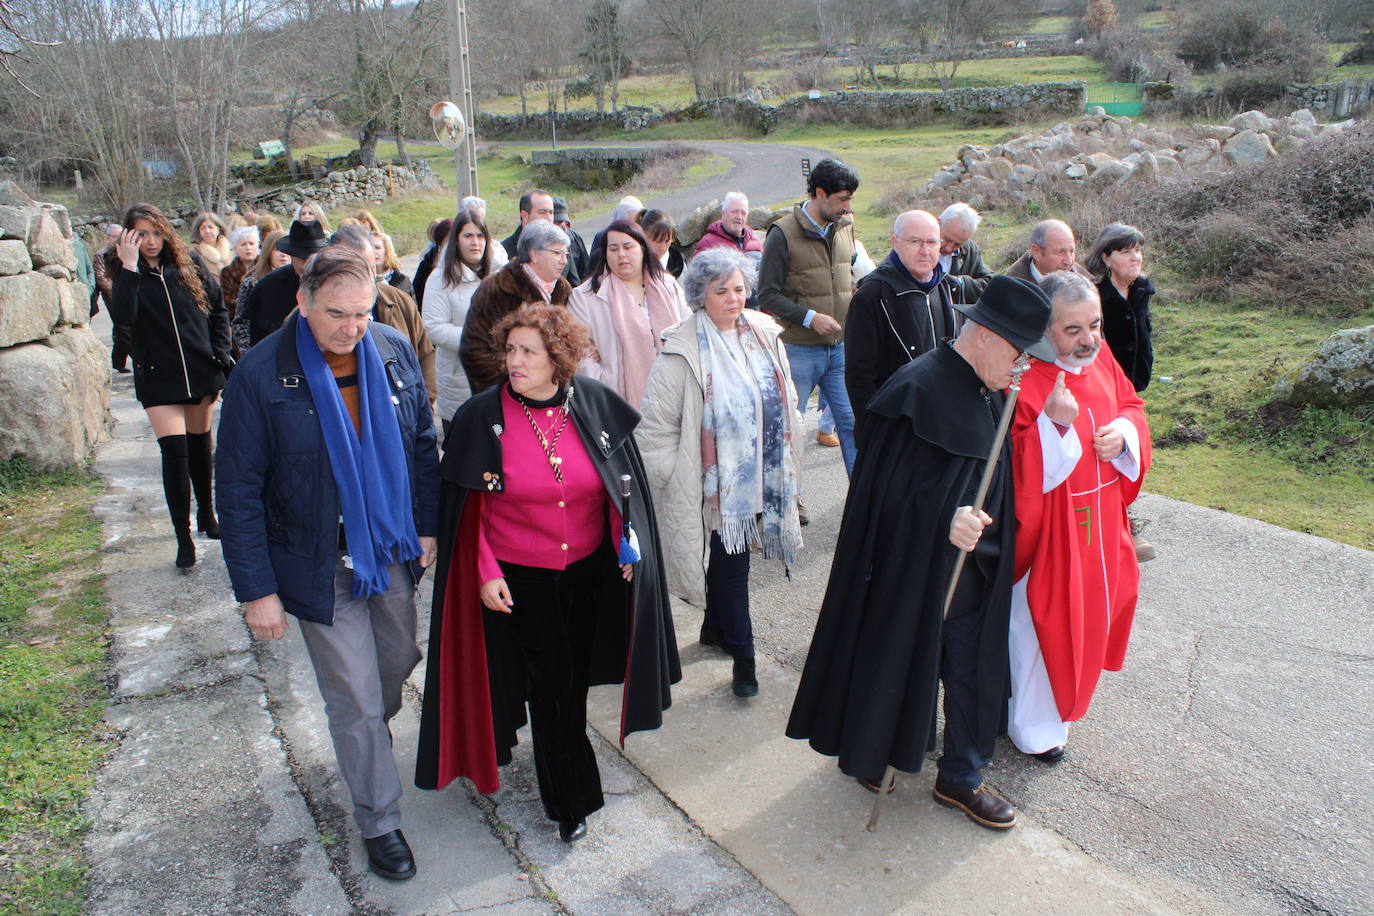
745 684
176 486
200 457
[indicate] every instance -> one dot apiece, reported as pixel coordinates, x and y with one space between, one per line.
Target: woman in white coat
464 261
719 436
627 302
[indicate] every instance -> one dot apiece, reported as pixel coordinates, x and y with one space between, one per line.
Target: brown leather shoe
982 805
829 440
1144 550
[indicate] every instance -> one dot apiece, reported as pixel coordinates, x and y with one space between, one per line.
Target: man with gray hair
328 486
1081 447
959 254
732 229
475 204
903 309
1052 248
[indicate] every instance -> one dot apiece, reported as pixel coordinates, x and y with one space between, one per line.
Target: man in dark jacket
534 204
901 310
274 296
884 639
1052 247
576 270
328 495
959 253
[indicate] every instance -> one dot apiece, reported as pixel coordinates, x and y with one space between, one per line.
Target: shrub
1296 233
1236 33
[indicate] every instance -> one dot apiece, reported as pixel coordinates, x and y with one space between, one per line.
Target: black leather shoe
744 683
1053 755
873 785
982 805
571 831
389 856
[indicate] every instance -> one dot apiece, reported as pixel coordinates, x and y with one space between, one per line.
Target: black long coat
177 349
868 691
468 722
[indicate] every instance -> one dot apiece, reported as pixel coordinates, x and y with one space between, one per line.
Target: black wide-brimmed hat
1016 310
303 239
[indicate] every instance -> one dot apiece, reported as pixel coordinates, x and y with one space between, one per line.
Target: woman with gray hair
536 275
1116 261
720 445
244 241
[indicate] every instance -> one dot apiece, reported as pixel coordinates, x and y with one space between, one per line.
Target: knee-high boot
176 486
199 455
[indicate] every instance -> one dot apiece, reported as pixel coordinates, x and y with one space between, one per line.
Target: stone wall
350 186
54 373
1338 100
858 107
1096 151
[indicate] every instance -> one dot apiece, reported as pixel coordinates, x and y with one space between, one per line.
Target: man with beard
884 640
1081 447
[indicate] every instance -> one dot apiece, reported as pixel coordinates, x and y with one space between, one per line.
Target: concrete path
1225 770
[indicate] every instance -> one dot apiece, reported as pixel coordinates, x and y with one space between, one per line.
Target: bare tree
716 38
958 25
605 51
1099 17
89 72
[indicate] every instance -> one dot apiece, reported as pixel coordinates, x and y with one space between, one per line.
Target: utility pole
460 85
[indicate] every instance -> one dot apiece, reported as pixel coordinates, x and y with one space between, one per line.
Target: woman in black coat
520 618
179 340
1115 262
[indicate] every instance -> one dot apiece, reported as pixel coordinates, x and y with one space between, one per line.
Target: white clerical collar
1076 370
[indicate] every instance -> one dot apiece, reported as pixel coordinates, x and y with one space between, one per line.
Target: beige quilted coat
669 437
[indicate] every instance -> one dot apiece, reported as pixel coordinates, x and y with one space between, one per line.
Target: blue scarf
370 471
927 286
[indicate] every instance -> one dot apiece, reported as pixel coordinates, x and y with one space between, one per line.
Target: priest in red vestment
1081 448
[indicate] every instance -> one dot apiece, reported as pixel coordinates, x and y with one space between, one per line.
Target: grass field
670 91
52 684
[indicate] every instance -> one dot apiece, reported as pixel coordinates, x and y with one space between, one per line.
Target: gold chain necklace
555 461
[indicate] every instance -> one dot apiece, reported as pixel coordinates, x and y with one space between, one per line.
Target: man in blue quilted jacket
328 484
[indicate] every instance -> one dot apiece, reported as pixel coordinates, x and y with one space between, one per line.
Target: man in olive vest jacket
805 282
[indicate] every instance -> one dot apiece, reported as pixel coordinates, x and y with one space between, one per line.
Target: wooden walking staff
1008 410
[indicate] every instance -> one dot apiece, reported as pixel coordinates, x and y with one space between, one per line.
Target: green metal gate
1116 98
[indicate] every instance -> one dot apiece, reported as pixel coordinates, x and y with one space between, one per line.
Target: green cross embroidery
1087 522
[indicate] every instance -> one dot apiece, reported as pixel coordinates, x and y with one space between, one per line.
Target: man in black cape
475 687
882 642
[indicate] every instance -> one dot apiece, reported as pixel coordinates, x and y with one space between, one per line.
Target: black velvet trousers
552 621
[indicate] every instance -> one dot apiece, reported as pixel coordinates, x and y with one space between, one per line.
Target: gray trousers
361 662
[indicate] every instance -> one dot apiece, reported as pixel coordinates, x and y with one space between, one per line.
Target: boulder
61 216
1021 177
1339 374
73 303
58 429
1095 161
691 229
1218 132
999 169
1303 116
981 168
1169 167
15 222
29 307
1110 173
970 153
1147 169
11 195
1248 148
942 180
47 244
1251 120
14 258
1076 170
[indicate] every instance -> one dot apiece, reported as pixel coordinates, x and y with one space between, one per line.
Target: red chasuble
1076 539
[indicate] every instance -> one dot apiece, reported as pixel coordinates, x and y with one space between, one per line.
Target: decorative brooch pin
498 429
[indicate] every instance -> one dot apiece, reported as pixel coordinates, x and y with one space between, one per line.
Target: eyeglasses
560 253
923 243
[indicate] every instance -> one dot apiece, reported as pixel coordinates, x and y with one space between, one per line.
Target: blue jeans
822 365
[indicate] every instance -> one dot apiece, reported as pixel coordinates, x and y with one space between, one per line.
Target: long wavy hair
174 250
263 266
453 261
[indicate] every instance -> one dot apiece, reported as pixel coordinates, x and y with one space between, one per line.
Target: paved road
769 173
1234 752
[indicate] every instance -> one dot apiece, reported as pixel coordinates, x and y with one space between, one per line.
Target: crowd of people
569 433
